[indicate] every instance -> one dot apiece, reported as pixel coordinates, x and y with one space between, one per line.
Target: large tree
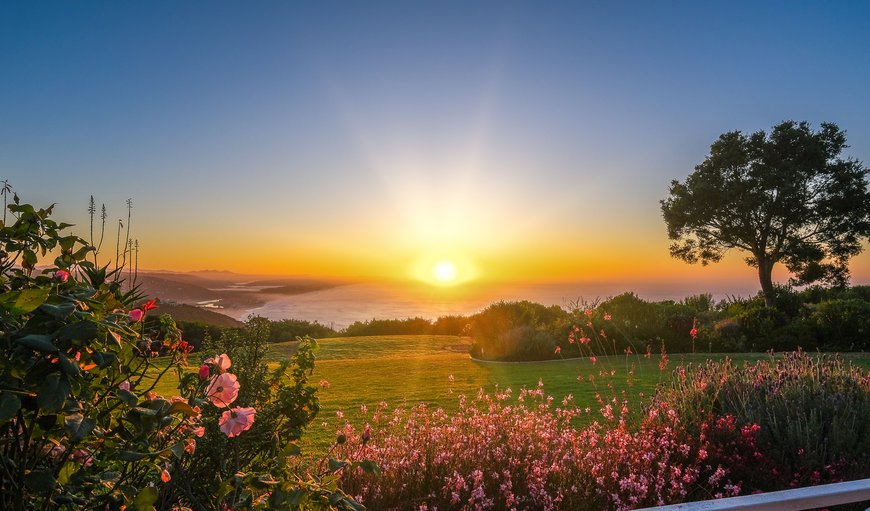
788 196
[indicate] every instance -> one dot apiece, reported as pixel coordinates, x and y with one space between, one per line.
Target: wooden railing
811 497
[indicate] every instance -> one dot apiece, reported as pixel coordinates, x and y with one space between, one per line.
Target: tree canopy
787 196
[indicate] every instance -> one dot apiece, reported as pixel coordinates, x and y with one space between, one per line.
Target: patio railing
811 497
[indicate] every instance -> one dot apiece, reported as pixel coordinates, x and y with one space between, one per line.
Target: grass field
407 370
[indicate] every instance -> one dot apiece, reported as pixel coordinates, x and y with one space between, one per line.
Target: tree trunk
765 270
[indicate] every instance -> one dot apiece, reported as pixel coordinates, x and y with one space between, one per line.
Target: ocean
340 306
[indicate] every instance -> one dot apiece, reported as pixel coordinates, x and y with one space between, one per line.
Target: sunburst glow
444 271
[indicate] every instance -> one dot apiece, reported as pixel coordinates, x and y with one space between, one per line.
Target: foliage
518 330
388 327
78 423
287 329
842 324
787 197
813 415
255 469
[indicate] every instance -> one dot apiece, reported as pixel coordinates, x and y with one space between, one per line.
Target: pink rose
204 372
222 362
61 276
233 422
136 315
223 390
124 385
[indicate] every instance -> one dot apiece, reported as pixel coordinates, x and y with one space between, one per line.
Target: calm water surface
341 306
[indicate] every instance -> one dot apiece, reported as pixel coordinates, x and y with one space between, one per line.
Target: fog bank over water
340 306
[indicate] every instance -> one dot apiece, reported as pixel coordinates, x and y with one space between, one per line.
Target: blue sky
365 136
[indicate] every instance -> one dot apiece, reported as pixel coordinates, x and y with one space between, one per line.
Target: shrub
79 423
253 469
813 415
842 324
289 329
408 326
514 330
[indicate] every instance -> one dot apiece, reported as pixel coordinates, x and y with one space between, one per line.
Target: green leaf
368 466
37 342
81 253
103 360
150 412
111 475
68 368
28 258
53 394
9 405
291 449
68 469
145 499
30 299
336 465
81 330
128 397
58 311
40 480
79 426
177 450
184 408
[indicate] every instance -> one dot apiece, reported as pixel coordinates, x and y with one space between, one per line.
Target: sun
444 271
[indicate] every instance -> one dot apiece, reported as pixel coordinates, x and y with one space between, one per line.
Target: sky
527 141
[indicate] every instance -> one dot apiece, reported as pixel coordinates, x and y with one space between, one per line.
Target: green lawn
406 370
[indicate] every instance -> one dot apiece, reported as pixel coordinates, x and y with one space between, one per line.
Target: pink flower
124 385
136 315
222 362
223 390
150 304
558 350
204 372
164 476
233 422
693 332
61 276
606 316
82 456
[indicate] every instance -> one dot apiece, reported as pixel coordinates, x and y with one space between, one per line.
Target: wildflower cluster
500 452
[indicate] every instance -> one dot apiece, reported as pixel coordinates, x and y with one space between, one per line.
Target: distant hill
232 293
181 312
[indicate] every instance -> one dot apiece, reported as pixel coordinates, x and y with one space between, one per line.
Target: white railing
787 500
